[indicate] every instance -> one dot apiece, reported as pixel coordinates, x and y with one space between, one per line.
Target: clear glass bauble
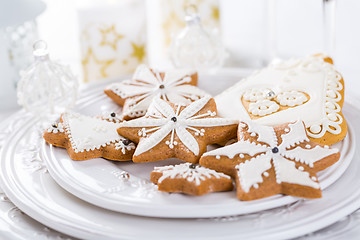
46 88
196 48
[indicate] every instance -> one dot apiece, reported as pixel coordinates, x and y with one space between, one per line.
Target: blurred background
101 39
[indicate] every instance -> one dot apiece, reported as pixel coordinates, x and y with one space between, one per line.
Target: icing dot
307 146
331 94
315 128
275 150
174 119
301 168
241 155
256 185
326 146
217 156
287 130
253 134
332 117
278 181
266 174
313 178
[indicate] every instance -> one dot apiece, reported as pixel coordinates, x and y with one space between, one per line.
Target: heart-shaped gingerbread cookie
309 89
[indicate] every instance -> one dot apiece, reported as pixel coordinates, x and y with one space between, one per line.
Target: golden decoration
171 23
138 51
90 56
110 37
215 13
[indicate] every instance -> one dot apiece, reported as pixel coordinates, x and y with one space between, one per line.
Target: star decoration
190 179
138 51
173 130
89 137
135 95
110 37
268 161
90 60
215 13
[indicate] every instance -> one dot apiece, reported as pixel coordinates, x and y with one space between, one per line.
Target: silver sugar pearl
270 95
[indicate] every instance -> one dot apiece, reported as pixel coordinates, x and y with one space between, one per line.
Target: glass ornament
196 48
46 88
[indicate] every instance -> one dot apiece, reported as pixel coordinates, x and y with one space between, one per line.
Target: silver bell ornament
196 48
46 88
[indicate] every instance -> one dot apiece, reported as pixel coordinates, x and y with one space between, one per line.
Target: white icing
310 75
276 156
288 173
90 133
291 98
56 128
146 85
158 124
263 107
265 134
241 147
250 172
255 94
309 156
189 172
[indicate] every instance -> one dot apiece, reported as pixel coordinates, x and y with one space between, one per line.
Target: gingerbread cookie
89 137
172 130
268 161
135 95
190 179
309 88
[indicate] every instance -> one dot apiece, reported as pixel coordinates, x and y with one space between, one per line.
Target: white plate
27 183
97 181
14 224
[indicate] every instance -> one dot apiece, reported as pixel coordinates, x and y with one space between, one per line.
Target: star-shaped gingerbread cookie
271 160
190 179
87 137
135 95
173 130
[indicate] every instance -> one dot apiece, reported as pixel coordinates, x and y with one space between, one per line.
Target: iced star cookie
271 160
171 130
309 89
190 179
135 95
89 137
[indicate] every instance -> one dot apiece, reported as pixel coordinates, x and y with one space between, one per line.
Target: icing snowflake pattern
88 133
147 85
161 120
268 155
188 171
264 101
124 145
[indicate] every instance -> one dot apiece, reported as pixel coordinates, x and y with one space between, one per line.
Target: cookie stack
280 121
